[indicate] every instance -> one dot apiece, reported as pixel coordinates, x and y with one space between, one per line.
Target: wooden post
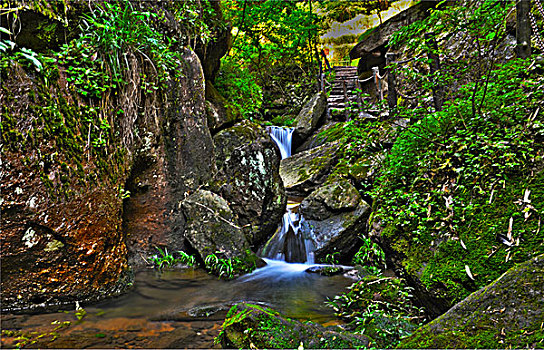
376 72
523 28
438 92
346 100
321 81
391 82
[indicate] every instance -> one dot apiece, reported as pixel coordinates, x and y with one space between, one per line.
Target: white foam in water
276 270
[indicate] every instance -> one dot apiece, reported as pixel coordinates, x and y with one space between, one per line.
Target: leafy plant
165 259
380 307
370 254
229 267
239 88
332 258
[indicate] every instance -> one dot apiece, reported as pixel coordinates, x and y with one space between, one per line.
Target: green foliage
239 88
332 258
458 182
229 268
165 259
370 255
344 10
271 33
483 29
379 307
273 49
113 29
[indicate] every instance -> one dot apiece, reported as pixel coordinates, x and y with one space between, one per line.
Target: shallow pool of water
177 309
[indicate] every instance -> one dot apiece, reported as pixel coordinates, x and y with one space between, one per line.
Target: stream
181 308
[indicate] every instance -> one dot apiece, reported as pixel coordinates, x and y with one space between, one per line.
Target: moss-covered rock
304 171
508 313
210 226
319 137
309 117
248 178
87 163
444 269
252 326
335 216
330 199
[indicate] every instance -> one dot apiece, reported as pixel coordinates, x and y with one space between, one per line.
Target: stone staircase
345 76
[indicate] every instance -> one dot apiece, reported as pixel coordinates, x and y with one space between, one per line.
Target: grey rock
330 199
210 226
310 116
507 313
303 172
248 178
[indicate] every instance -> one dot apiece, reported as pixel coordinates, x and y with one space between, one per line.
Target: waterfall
282 137
289 242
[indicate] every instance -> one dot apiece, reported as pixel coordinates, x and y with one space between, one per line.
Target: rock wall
176 158
78 216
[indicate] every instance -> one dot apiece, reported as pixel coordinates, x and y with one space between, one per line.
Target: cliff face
96 162
63 236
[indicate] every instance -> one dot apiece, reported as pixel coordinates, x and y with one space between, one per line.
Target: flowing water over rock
289 243
184 308
283 138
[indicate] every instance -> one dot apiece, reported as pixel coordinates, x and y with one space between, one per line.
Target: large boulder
304 171
175 157
445 268
248 178
210 226
378 37
330 199
219 113
254 327
508 313
309 117
326 133
335 217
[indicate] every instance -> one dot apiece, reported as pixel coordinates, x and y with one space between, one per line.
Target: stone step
346 76
346 68
341 86
340 99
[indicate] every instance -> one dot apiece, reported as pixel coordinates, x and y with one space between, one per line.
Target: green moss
505 314
255 326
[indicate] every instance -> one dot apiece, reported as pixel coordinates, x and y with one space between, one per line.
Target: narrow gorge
271 174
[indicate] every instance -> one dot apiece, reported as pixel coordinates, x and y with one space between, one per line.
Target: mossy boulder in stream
211 226
335 216
248 178
256 327
93 172
508 313
304 171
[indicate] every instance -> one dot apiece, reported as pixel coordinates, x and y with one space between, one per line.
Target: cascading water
282 137
288 243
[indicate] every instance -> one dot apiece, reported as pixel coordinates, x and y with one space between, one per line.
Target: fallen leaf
469 274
